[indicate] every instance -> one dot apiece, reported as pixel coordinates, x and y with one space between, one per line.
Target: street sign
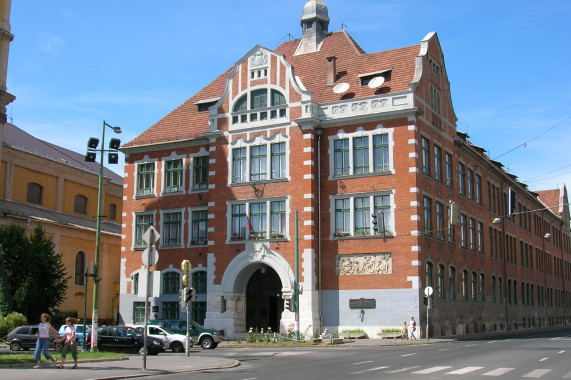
150 259
147 235
428 291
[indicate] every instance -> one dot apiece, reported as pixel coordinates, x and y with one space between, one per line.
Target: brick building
322 129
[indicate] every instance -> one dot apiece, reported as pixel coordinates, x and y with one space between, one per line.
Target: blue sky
74 64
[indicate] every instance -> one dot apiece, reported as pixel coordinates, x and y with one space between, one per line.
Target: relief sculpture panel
373 263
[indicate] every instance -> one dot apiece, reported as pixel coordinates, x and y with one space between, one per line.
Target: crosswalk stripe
498 372
369 370
433 369
464 370
537 373
402 369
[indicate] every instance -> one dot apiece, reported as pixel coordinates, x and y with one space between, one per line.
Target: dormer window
204 104
368 77
258 106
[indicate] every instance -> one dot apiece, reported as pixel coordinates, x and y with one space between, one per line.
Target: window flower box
237 237
257 236
277 236
341 234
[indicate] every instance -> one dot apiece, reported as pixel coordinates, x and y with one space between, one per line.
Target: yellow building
42 183
5 38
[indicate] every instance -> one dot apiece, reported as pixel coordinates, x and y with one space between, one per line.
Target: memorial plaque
363 303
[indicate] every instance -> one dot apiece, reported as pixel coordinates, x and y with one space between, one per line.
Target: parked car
206 338
173 341
126 339
25 337
78 333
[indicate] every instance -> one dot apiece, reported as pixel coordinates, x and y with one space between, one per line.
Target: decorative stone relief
379 103
258 251
339 109
259 59
375 263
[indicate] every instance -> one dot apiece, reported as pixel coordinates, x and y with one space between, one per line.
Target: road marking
491 341
543 359
409 354
444 349
537 373
402 369
498 372
433 369
470 345
369 370
368 361
464 370
561 352
567 375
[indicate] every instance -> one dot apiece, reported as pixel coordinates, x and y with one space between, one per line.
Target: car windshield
134 331
196 325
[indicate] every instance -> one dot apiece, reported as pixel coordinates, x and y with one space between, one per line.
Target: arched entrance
264 304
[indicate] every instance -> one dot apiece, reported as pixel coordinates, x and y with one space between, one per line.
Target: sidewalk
122 369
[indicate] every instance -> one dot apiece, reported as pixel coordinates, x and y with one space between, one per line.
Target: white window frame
351 197
153 213
191 210
257 141
247 203
164 160
163 230
361 132
202 153
153 191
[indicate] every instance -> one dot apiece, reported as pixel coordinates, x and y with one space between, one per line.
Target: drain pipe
319 133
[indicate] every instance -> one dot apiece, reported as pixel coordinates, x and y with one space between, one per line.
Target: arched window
171 282
34 193
429 274
241 104
258 99
278 98
199 281
80 204
80 267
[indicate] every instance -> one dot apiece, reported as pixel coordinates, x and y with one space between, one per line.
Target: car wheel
177 347
141 351
207 343
16 346
154 352
58 346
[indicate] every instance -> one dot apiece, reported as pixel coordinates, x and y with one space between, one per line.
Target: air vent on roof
341 88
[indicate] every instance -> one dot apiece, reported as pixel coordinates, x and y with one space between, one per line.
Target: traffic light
185 267
375 223
289 304
189 295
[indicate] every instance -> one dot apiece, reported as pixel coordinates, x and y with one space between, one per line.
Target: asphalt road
538 357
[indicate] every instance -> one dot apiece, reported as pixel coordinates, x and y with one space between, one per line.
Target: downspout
319 133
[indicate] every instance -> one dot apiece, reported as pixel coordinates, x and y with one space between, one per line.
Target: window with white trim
200 167
171 228
258 109
198 226
258 219
352 215
435 98
171 282
142 223
250 161
362 152
173 171
145 178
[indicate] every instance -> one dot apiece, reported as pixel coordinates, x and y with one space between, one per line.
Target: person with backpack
411 328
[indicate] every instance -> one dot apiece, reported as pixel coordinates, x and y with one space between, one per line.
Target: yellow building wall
2 179
23 176
118 202
71 189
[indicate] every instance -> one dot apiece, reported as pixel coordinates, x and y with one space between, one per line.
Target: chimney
331 69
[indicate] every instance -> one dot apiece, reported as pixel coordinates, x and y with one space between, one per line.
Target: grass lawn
15 357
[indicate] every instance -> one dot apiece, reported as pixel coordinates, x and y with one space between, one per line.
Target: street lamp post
92 152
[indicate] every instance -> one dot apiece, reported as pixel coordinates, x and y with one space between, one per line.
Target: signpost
150 257
428 292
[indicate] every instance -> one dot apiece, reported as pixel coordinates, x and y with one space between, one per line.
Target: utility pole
296 281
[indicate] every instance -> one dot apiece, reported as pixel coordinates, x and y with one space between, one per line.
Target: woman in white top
69 342
43 342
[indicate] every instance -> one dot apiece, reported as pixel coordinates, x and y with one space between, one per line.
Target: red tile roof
185 122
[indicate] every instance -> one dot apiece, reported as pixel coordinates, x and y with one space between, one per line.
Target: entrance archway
264 304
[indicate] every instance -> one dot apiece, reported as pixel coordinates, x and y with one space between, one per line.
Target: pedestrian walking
43 342
70 343
404 331
411 328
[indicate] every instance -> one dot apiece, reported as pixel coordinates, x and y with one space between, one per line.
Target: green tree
32 272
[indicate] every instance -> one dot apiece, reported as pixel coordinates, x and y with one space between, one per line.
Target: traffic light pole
150 250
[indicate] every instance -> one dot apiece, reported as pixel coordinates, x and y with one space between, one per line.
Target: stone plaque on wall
370 263
363 303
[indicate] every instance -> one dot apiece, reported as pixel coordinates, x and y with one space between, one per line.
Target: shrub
11 321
